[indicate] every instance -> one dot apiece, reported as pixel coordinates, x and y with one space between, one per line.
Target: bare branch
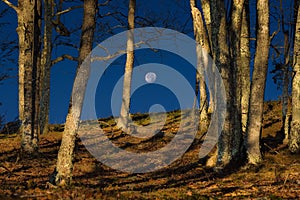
146 20
107 14
11 5
104 4
62 43
60 28
276 50
105 58
68 10
63 57
120 52
276 32
3 77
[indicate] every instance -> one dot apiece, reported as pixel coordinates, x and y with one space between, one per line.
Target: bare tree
235 42
202 39
64 164
230 50
294 140
45 65
244 66
222 59
235 58
34 69
125 107
258 83
205 4
28 31
285 68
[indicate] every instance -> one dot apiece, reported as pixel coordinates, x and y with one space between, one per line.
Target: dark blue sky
167 13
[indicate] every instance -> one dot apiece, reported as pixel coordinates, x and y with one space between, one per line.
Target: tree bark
235 51
221 58
286 78
202 40
245 65
64 164
45 65
294 140
258 83
207 18
36 79
31 72
28 50
285 90
125 107
207 21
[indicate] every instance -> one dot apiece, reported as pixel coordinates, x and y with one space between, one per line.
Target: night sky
168 14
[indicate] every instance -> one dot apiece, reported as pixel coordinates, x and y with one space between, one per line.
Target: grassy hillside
186 178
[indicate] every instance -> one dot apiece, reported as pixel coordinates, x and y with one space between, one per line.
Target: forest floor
27 178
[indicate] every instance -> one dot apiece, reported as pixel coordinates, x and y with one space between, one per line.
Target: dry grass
186 178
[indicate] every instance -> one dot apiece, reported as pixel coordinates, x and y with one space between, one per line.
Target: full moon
150 77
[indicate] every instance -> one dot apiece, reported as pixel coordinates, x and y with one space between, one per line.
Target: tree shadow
271 142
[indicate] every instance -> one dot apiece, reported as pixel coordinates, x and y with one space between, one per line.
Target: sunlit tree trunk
294 140
207 18
28 32
202 40
258 83
31 71
285 90
205 5
245 65
64 164
125 107
207 21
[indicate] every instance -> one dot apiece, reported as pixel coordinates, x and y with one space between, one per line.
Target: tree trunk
30 72
28 50
294 140
125 107
64 164
221 58
286 78
245 65
235 51
285 90
37 72
207 18
258 83
202 40
45 67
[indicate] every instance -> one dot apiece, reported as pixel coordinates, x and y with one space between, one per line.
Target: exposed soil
278 177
